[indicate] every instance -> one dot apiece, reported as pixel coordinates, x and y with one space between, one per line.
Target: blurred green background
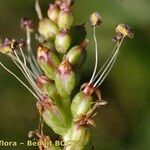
124 124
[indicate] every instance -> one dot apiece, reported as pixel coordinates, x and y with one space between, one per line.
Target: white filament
107 69
96 56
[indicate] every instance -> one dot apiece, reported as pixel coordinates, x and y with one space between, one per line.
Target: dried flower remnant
125 30
52 73
27 24
95 19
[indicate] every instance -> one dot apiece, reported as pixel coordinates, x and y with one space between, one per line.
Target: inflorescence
52 73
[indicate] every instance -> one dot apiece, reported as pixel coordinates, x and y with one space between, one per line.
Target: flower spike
53 75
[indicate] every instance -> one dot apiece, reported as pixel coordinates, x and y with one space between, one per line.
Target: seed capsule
95 19
47 29
52 116
53 12
48 61
75 54
65 79
81 104
125 30
65 19
62 42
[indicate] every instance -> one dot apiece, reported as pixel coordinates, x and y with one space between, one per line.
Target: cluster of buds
52 73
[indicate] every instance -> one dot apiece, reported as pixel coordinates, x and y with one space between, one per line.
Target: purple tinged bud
65 19
64 67
58 2
48 61
65 79
49 88
53 12
52 115
75 54
62 41
48 29
81 103
79 135
42 53
66 3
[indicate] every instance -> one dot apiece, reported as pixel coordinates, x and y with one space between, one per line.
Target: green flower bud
81 104
52 116
65 19
62 42
49 89
77 137
75 53
65 79
53 12
47 29
48 61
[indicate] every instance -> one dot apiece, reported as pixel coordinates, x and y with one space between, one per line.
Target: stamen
108 71
36 69
17 63
3 66
38 10
23 56
28 75
96 56
15 60
107 61
109 65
